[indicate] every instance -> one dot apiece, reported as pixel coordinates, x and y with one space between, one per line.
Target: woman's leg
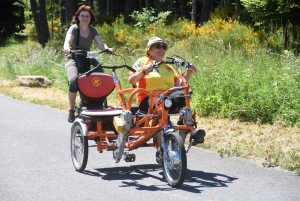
72 73
94 62
178 101
144 105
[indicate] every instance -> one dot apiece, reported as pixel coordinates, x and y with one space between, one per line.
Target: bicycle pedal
129 157
197 137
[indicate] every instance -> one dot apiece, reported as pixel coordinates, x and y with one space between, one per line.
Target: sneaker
158 157
71 117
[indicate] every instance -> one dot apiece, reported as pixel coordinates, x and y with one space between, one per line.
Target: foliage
147 17
284 15
32 59
12 18
264 11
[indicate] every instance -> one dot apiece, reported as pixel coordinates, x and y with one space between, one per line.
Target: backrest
95 88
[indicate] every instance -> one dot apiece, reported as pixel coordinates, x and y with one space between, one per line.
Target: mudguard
82 124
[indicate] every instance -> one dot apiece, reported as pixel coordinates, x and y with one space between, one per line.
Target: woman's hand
147 68
110 50
193 69
67 50
190 71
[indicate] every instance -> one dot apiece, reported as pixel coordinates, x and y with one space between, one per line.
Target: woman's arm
187 75
190 72
102 46
68 41
134 78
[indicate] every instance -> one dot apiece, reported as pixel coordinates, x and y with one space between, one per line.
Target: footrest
129 157
197 137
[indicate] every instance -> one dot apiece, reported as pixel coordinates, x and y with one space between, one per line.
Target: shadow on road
194 182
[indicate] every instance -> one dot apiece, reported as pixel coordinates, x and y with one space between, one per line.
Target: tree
40 21
12 18
206 10
266 13
70 7
63 16
194 11
128 11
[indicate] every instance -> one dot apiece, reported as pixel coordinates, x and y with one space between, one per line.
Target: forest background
246 51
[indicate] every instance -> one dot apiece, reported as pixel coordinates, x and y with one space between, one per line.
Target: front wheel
175 167
79 148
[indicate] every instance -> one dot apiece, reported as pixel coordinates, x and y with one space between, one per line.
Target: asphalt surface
36 165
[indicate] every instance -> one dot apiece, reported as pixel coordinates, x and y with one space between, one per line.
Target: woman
83 19
162 78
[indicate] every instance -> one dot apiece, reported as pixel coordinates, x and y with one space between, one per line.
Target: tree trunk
149 4
110 7
194 11
238 6
128 11
71 7
183 6
89 3
63 17
40 21
101 7
205 13
141 6
285 35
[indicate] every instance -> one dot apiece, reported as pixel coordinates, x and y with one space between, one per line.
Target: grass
247 99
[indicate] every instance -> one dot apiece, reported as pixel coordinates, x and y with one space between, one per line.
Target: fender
82 124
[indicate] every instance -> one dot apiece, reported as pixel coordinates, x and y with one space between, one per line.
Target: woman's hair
84 8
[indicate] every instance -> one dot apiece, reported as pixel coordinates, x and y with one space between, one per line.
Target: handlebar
177 60
95 54
90 54
109 67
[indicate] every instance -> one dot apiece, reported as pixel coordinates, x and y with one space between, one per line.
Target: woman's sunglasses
158 46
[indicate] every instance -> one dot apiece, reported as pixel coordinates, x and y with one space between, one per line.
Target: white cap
152 41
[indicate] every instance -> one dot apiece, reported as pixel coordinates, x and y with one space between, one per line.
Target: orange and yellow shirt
162 78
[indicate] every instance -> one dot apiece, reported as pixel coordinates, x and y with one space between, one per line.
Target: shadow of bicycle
195 180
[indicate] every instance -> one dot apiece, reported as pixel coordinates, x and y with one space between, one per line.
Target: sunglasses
158 46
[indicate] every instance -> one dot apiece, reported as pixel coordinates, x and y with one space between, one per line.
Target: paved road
35 164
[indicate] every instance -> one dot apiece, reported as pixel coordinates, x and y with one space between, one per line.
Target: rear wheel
79 148
174 168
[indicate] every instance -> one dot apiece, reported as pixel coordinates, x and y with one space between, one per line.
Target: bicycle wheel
174 168
79 148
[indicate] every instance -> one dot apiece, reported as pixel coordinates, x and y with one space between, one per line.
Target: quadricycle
123 128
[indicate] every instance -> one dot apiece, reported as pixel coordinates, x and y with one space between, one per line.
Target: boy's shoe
71 117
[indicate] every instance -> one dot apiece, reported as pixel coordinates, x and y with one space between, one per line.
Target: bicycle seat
95 88
102 112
